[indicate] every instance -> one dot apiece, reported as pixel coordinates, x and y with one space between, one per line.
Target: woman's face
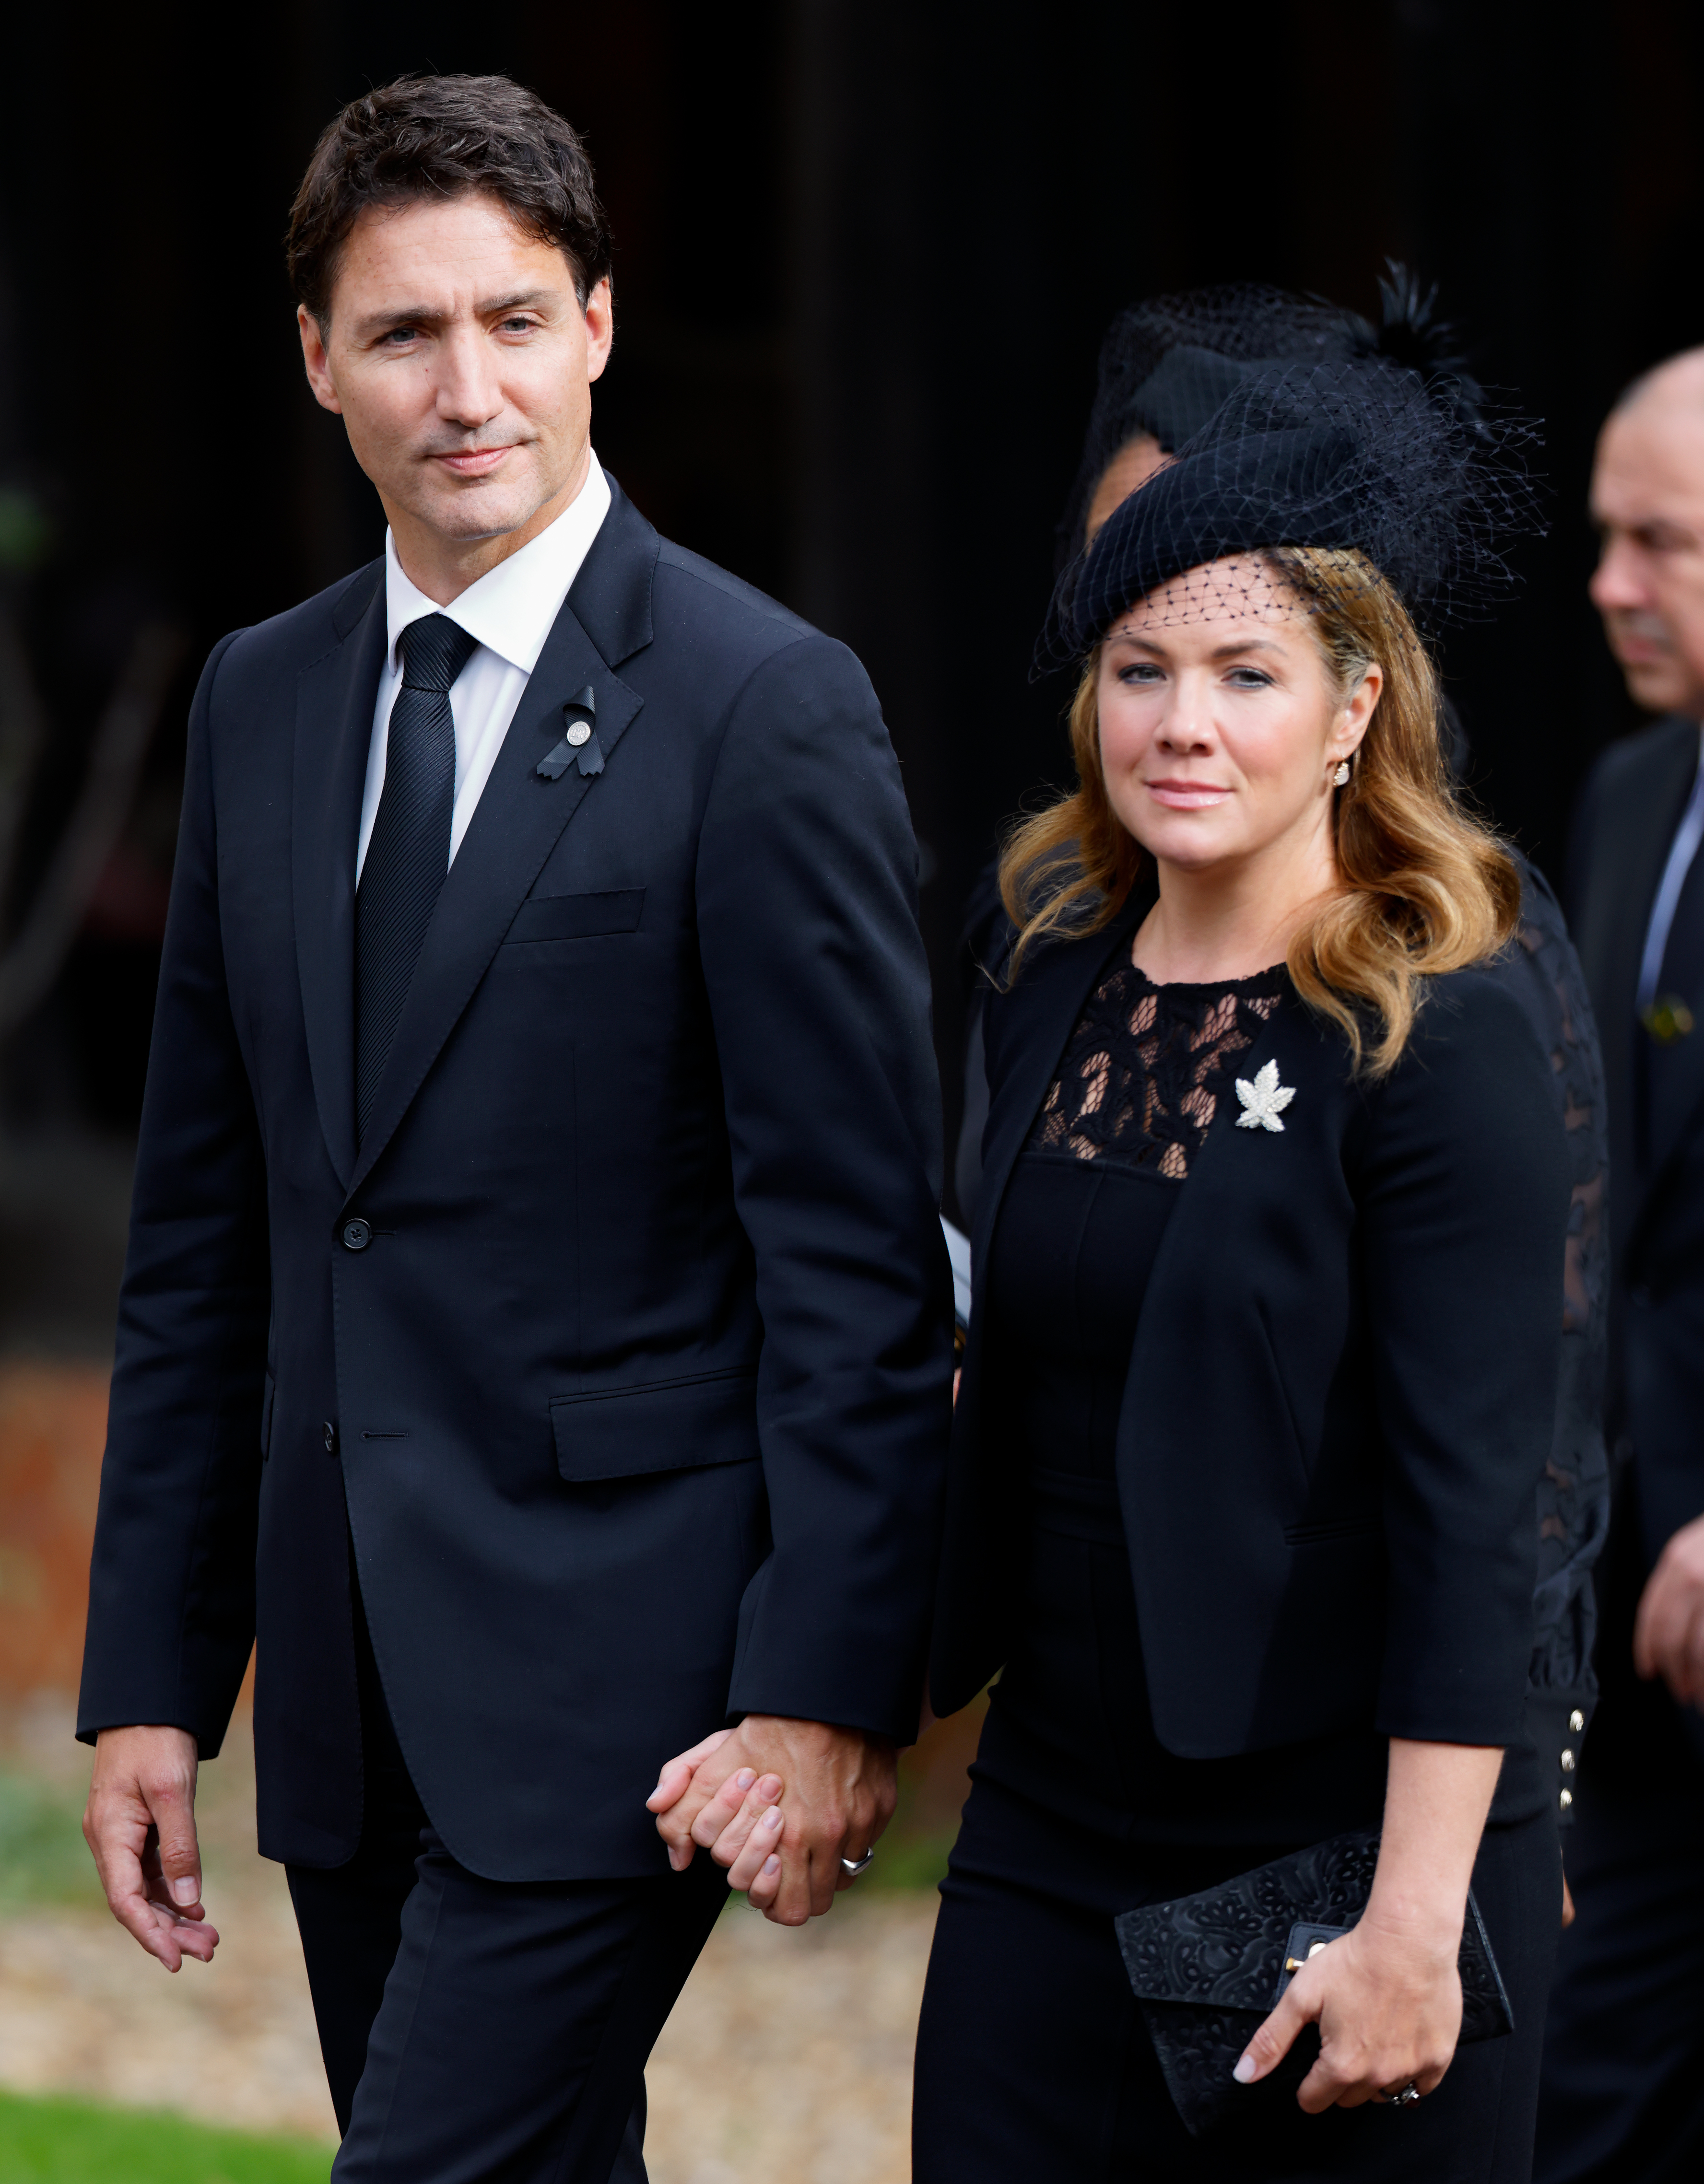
1220 726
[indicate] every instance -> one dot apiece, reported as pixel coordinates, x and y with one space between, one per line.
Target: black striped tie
408 853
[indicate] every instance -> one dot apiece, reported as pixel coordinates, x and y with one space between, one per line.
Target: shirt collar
509 609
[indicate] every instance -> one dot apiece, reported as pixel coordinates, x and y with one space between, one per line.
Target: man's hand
1669 1631
779 1802
140 1824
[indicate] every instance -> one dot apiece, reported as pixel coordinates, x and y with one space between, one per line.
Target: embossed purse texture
1206 1969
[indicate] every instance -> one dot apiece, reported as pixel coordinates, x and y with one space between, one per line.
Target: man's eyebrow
427 315
517 301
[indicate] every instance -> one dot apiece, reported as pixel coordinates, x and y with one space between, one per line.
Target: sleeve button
1576 1721
1565 1799
1568 1763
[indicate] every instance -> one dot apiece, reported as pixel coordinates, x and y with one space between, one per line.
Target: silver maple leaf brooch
1264 1101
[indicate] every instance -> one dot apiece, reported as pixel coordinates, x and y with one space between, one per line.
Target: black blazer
623 1337
1341 1396
1629 812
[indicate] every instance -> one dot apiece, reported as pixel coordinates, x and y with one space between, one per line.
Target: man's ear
599 317
316 362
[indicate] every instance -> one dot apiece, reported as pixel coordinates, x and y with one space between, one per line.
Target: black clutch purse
1206 1969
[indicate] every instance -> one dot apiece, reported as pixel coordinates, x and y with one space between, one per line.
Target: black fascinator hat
1352 452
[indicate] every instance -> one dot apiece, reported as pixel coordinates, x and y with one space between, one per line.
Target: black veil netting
1364 453
1167 363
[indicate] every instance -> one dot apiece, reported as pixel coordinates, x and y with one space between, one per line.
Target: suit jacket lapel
516 825
1627 868
334 701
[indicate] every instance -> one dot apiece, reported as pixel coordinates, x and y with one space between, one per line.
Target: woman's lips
1186 795
474 462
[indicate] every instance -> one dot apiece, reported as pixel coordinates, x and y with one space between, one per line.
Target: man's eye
517 326
398 334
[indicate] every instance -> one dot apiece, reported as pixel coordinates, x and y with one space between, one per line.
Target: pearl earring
1340 778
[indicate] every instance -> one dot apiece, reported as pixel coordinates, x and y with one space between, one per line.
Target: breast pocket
577 917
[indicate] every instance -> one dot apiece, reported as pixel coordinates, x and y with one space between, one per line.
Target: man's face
460 360
1134 463
1647 500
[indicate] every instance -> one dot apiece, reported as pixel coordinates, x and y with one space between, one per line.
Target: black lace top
1140 1078
1139 1083
1080 1227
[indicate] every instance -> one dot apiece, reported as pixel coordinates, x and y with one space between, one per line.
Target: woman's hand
1388 1997
1388 2007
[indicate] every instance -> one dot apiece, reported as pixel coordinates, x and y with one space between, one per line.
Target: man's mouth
1639 640
473 462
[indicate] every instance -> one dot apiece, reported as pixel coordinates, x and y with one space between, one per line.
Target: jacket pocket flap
578 916
659 1425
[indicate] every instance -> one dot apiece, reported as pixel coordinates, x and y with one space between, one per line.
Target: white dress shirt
509 611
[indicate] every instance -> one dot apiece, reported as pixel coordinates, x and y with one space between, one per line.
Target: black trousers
1623 2092
486 2032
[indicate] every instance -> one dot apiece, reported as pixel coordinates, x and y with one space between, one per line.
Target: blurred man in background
1625 2075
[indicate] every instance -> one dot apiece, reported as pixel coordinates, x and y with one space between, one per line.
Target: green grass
43 1859
60 2141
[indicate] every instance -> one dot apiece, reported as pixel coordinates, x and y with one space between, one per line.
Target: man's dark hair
443 136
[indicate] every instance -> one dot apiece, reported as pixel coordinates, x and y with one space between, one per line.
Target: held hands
140 1824
1388 2001
1669 1631
779 1802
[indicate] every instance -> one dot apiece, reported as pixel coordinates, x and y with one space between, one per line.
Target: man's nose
467 391
1618 581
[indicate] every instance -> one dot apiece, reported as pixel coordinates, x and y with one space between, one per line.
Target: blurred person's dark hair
446 137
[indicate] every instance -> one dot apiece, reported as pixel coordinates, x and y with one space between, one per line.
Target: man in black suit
1625 2068
536 1330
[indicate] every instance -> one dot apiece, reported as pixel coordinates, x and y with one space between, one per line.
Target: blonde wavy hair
1425 887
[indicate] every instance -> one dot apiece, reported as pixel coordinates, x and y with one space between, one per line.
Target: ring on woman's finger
1401 2096
852 1867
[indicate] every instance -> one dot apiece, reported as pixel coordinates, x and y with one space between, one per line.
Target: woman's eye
1249 678
1141 674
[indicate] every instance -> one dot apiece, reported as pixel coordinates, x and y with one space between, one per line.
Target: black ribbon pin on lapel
579 740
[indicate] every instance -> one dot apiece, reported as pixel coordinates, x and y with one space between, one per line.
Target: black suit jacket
1629 812
623 1335
1342 1392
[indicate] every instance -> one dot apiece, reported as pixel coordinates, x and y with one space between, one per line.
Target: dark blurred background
865 254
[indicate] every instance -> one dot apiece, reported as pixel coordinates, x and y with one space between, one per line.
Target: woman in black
1261 1379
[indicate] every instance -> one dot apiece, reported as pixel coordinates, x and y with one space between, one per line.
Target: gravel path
789 2051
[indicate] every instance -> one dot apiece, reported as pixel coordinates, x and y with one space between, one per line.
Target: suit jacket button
357 1235
1568 1763
330 1432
